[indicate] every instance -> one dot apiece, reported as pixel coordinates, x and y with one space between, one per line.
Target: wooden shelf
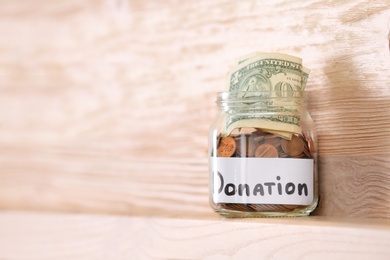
26 235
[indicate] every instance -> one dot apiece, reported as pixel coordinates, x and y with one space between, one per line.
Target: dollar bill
272 74
271 114
267 72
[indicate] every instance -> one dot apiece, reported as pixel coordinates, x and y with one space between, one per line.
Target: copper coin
258 138
240 150
261 207
282 154
266 151
273 207
238 207
293 147
246 145
310 145
226 147
273 140
253 144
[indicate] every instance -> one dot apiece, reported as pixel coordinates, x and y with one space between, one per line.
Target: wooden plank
63 236
68 178
354 186
81 66
106 104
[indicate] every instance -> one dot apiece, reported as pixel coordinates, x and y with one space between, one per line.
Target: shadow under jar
263 155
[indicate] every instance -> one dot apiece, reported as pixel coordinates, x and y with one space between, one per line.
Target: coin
310 144
237 207
293 147
266 151
240 145
246 145
253 144
226 147
282 154
258 138
273 207
273 140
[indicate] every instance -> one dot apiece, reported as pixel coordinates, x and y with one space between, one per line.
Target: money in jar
262 144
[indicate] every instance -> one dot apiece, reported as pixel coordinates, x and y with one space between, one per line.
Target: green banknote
273 74
268 72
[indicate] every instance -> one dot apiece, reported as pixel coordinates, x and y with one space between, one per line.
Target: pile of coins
255 143
259 207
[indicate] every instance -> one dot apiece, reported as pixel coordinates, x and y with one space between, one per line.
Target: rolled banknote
272 74
267 72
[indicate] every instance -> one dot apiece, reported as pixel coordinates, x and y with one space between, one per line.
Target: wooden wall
105 104
108 101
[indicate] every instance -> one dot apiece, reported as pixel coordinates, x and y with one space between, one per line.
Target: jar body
263 157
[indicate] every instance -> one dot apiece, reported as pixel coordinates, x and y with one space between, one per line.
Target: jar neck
269 101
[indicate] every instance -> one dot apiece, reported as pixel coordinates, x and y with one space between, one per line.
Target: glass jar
263 155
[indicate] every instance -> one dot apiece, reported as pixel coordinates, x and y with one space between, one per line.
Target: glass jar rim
226 96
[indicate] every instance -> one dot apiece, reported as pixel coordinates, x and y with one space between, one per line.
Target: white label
262 180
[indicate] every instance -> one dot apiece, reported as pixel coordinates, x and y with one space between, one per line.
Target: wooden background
105 105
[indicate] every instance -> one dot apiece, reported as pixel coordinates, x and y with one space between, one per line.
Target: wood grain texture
90 180
105 105
62 236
